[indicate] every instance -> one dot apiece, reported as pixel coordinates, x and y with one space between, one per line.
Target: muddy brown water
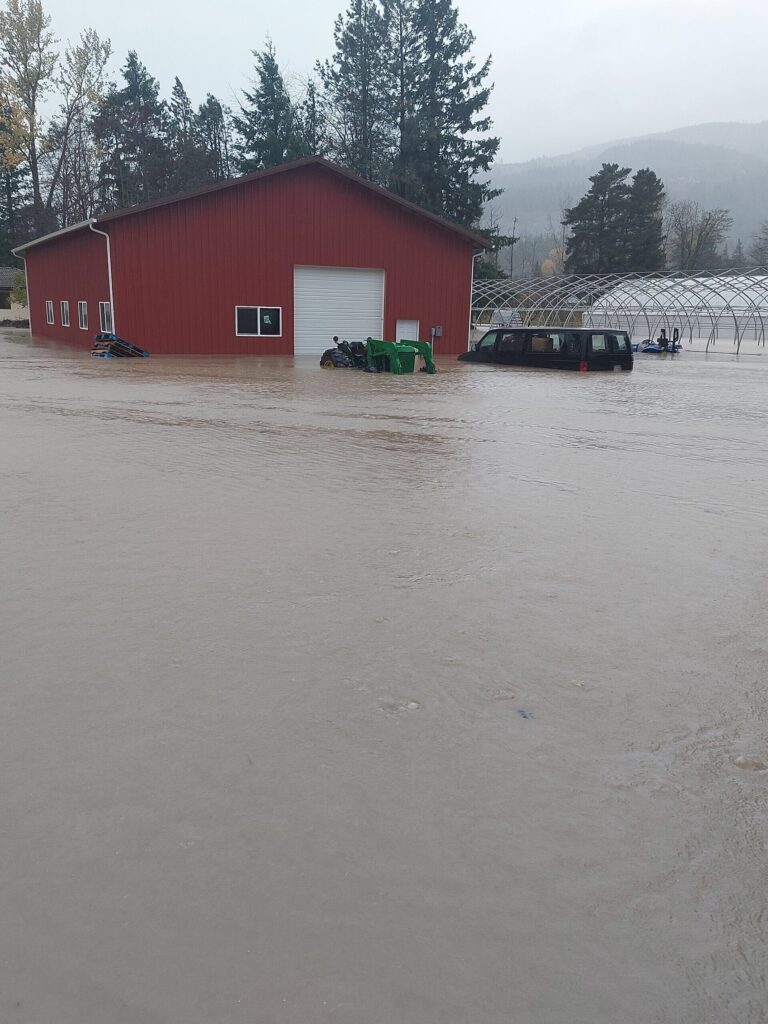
330 697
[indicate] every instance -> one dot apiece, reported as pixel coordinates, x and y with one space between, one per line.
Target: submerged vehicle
662 343
379 356
655 346
555 348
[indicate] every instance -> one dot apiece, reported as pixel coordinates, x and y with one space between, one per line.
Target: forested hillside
717 165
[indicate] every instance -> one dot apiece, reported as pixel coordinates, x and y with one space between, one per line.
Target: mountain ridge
719 164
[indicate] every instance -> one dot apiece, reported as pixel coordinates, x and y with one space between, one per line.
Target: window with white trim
49 311
64 306
258 321
105 317
82 315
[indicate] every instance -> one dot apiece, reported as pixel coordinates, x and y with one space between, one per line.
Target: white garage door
335 300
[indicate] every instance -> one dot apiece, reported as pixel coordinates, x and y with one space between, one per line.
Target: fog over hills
719 164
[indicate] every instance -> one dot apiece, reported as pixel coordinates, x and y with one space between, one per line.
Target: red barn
274 263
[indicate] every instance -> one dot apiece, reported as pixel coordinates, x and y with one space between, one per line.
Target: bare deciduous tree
29 58
70 157
694 235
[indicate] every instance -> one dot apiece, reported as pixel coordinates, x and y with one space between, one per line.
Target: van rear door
599 356
621 350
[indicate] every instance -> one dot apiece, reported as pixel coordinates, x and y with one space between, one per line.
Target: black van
556 348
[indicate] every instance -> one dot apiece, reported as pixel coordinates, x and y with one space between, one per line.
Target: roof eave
53 234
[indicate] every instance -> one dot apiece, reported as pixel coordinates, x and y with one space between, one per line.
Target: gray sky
567 73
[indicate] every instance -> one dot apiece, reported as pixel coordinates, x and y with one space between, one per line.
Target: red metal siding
73 267
180 270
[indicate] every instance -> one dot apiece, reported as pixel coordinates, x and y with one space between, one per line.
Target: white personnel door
407 330
335 300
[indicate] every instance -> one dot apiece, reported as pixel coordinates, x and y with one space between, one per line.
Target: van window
514 341
599 343
488 341
548 341
618 343
573 343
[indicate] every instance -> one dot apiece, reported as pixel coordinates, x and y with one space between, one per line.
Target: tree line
627 226
400 100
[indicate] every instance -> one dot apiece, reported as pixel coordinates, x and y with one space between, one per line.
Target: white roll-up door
335 300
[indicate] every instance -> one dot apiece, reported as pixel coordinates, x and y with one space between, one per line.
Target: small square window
269 321
105 317
247 321
64 313
82 315
49 311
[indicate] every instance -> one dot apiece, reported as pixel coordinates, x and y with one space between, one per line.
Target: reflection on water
335 696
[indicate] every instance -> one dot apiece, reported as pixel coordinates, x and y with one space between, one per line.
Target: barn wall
72 267
180 270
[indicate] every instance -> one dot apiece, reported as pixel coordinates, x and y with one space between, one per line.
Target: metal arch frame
705 299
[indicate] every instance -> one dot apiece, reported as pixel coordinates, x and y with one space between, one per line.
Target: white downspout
471 297
26 285
96 231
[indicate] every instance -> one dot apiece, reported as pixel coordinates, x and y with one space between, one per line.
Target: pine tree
645 226
598 223
189 157
131 127
213 134
404 79
355 94
759 248
311 124
738 260
447 144
267 123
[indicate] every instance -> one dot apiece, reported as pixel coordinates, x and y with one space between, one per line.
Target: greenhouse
708 307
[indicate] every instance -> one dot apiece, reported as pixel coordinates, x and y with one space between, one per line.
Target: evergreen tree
131 128
759 248
739 260
645 226
213 134
189 157
311 124
599 225
446 142
267 123
355 94
403 87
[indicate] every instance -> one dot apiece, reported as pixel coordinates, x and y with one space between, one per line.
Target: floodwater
332 697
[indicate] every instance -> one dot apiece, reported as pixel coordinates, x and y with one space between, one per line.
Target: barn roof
312 161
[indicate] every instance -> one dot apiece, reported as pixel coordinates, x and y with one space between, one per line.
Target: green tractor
375 356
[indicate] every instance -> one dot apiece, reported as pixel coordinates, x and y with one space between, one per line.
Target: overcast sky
567 73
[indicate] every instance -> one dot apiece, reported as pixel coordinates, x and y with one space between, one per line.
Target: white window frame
49 311
103 308
258 317
64 310
82 314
